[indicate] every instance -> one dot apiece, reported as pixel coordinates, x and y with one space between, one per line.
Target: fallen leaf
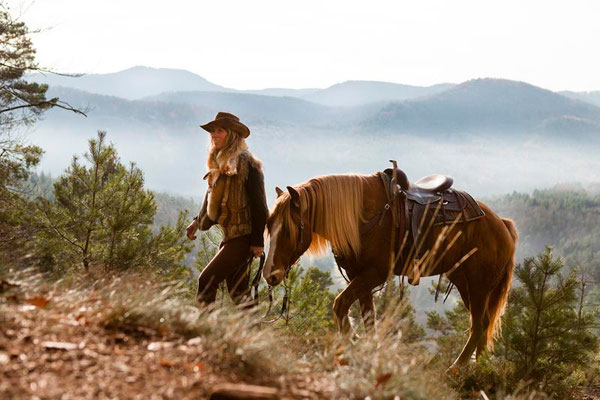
337 361
39 302
166 363
59 345
382 379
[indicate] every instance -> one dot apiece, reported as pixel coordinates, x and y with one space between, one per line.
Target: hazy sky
316 43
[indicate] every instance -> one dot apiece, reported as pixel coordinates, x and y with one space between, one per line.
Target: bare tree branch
50 104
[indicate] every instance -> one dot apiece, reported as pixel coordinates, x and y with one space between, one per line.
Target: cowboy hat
227 120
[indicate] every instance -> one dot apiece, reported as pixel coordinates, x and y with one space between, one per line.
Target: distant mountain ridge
143 82
354 93
139 82
495 105
474 107
589 97
132 83
496 135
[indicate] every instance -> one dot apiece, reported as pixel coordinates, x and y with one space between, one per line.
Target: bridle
286 297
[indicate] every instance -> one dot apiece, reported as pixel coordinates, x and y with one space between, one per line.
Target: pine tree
101 214
21 103
547 332
311 299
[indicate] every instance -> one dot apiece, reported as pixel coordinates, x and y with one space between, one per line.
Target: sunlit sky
316 43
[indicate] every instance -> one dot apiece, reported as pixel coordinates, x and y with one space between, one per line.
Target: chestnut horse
477 257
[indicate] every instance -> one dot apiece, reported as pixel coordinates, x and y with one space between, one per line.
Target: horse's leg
477 304
367 309
359 288
342 303
482 345
459 279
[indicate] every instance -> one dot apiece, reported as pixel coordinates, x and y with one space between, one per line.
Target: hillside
138 82
354 93
490 105
566 217
132 83
592 97
256 109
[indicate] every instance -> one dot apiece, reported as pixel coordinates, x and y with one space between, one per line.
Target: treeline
566 217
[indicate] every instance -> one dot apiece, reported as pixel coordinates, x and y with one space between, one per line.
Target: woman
236 201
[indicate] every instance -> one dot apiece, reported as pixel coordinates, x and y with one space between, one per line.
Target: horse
335 210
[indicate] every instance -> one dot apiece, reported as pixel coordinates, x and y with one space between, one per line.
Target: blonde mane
333 204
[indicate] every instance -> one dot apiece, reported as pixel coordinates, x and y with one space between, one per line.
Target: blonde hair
333 203
226 157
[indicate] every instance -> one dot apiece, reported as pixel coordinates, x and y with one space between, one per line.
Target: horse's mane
333 203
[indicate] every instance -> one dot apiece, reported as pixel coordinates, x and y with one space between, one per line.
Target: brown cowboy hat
227 120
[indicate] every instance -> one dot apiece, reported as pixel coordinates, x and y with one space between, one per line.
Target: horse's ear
278 191
295 196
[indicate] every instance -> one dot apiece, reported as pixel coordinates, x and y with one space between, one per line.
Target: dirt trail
47 353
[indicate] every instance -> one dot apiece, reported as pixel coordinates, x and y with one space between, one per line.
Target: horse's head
290 233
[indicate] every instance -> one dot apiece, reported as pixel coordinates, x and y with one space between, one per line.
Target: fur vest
227 201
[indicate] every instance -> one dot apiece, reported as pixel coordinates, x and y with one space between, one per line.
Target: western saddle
417 206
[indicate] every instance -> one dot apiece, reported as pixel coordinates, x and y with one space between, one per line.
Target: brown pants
228 264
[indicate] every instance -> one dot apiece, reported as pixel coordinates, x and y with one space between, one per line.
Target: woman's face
218 136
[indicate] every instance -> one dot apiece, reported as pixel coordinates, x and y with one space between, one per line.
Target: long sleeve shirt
255 186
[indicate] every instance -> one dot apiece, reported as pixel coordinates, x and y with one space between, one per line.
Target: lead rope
284 305
256 280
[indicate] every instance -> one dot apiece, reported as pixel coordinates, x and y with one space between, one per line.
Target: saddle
430 201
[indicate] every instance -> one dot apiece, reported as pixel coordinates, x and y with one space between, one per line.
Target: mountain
354 93
490 105
251 107
266 110
139 82
282 92
105 112
553 138
476 106
132 83
589 97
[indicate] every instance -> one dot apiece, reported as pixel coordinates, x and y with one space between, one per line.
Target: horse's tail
499 295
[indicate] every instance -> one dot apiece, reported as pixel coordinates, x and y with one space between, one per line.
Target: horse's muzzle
274 278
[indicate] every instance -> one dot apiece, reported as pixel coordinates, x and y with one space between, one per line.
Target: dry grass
132 336
150 316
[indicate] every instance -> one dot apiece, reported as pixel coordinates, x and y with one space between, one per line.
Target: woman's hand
257 250
192 229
